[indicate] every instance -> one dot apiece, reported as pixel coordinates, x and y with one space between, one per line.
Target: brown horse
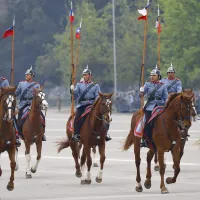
33 129
184 131
166 136
7 132
93 132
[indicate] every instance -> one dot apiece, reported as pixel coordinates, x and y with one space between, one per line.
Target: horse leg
83 159
38 143
162 172
176 158
0 165
94 156
156 167
137 163
28 159
16 159
75 154
102 160
147 182
11 153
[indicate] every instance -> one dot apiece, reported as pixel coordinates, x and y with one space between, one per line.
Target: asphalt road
55 177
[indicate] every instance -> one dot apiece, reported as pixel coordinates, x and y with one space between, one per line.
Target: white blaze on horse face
44 102
9 102
108 103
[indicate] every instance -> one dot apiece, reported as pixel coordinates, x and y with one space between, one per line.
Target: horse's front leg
94 156
162 172
83 159
150 155
28 159
137 163
176 158
102 160
11 153
0 165
38 143
16 159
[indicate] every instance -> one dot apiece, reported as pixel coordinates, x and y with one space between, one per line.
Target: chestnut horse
92 133
33 129
184 131
166 136
7 131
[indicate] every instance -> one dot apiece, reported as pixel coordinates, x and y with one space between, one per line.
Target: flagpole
77 50
158 38
13 46
143 56
72 65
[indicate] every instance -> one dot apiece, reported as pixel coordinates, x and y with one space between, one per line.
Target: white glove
142 89
72 87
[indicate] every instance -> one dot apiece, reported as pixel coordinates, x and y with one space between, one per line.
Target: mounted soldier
25 90
173 84
86 92
157 95
3 82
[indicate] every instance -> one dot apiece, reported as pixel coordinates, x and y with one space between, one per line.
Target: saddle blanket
26 112
140 124
87 111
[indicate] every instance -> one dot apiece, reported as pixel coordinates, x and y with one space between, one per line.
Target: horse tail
128 141
62 144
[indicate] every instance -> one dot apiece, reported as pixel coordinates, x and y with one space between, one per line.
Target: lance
78 36
158 31
13 46
71 19
144 53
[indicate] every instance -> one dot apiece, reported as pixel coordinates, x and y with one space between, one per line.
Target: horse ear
100 94
42 87
110 95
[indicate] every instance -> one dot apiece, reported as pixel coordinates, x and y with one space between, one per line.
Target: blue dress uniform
173 85
158 98
83 102
3 82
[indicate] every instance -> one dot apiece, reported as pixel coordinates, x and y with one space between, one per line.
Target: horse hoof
139 189
156 168
170 180
98 180
16 167
164 190
78 174
147 184
85 182
28 176
33 170
10 187
95 165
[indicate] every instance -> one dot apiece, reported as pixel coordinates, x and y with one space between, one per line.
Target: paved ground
55 178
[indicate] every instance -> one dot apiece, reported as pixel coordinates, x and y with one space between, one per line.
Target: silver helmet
30 71
171 69
87 71
156 71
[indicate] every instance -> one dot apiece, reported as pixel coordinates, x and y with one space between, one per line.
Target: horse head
185 110
106 106
8 103
40 100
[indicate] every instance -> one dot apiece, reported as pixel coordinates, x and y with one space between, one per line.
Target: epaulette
22 81
177 79
161 83
2 78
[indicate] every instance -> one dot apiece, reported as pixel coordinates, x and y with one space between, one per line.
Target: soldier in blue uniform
25 91
157 95
3 82
86 92
173 84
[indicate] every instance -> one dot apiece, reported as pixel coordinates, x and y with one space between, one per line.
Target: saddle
82 118
25 114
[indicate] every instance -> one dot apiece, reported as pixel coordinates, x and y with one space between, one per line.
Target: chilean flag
71 14
78 31
10 31
143 13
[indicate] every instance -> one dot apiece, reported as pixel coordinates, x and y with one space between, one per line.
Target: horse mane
96 101
171 97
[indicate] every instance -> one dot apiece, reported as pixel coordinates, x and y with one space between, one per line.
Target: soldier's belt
84 99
